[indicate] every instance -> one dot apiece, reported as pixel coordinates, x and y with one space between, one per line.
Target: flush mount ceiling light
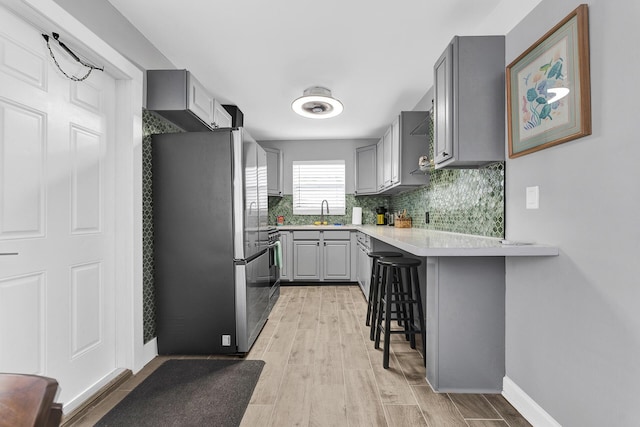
317 103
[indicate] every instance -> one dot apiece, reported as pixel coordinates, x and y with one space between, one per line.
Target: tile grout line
496 409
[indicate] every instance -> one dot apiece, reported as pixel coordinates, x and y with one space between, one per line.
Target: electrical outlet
426 217
226 340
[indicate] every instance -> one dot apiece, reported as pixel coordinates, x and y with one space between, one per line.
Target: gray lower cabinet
336 260
306 259
321 255
286 273
364 269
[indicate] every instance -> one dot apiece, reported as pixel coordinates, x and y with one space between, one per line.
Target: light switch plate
533 197
226 340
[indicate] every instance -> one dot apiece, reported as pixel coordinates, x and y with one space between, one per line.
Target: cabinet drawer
306 235
336 235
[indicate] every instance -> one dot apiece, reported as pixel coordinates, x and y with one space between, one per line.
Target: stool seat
373 286
399 262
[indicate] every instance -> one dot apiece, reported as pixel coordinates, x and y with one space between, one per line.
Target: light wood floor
322 370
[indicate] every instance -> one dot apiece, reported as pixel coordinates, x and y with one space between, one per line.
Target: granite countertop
422 242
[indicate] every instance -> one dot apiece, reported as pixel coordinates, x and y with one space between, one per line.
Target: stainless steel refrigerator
211 249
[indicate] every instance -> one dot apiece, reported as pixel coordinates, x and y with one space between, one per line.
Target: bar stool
401 300
374 284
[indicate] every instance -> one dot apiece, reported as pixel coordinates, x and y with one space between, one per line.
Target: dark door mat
191 392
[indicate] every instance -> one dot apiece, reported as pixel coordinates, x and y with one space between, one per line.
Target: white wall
109 24
319 149
573 321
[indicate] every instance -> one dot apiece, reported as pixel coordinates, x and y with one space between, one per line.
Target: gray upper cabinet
405 148
275 176
180 98
469 103
199 101
395 151
386 159
221 118
379 165
366 170
396 156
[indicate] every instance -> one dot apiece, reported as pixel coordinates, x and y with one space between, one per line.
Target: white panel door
57 213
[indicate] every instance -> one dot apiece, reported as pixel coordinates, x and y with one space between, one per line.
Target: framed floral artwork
548 88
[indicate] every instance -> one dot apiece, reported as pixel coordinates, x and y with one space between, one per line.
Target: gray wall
319 149
573 321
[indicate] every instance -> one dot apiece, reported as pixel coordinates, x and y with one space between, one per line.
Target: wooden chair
27 401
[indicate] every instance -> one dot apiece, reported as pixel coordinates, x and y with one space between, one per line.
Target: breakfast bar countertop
422 242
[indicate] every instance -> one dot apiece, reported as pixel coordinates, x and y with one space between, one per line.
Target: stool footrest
402 301
402 332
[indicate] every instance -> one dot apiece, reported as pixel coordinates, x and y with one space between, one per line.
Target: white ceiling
376 56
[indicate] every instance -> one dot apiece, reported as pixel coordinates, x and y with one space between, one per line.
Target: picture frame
549 89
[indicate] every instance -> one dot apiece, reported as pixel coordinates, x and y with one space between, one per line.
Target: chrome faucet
322 210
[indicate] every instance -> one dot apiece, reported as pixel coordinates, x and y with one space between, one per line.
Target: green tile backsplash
284 206
150 124
469 201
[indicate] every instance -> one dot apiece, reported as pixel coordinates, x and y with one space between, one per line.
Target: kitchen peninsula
463 284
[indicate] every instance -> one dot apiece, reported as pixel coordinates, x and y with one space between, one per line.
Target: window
315 181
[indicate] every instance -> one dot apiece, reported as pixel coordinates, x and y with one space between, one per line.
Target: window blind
315 181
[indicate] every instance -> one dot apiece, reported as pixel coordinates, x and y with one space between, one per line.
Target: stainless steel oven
274 270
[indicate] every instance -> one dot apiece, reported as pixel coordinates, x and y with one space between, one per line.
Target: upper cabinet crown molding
469 103
180 98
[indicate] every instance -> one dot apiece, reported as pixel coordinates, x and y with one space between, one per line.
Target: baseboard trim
103 389
149 352
527 407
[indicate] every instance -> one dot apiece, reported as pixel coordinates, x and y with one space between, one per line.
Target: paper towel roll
356 217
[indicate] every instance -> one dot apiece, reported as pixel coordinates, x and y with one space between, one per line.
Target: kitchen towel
356 217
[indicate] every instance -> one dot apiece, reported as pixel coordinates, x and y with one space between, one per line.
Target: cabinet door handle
325 243
317 243
8 253
444 153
